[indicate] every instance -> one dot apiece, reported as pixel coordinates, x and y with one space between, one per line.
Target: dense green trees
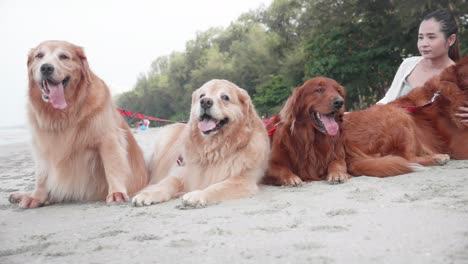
269 51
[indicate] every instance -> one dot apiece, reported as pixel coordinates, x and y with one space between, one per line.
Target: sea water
17 134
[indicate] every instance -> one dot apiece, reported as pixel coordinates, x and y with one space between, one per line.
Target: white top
399 85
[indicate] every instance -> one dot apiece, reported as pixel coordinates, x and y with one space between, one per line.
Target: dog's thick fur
222 151
388 140
82 147
307 140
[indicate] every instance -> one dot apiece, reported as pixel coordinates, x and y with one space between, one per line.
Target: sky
120 38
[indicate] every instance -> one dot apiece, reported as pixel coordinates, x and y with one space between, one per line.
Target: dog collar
411 109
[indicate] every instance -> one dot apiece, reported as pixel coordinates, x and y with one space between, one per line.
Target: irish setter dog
397 138
307 140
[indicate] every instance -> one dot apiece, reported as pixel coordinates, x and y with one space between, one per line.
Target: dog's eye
319 90
202 95
63 57
39 56
225 97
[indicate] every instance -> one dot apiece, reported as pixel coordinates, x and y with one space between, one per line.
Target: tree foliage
268 51
274 92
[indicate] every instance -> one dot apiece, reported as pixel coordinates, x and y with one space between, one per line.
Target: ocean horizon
14 134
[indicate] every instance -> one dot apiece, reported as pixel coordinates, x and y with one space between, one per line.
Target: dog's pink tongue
57 96
206 125
330 124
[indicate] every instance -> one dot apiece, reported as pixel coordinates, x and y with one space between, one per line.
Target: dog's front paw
148 198
117 197
293 181
195 199
16 197
338 177
441 159
26 201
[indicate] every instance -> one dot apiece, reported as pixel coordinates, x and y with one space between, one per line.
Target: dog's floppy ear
291 107
85 71
30 56
29 62
245 100
195 96
342 91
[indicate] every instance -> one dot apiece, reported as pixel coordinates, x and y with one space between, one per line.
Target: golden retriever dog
82 147
397 138
220 154
307 141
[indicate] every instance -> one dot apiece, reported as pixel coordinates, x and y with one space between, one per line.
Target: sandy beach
415 218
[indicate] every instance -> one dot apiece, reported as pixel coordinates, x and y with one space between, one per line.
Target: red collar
267 122
411 109
271 131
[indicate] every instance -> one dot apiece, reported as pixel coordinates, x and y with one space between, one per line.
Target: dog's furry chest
311 154
77 178
73 170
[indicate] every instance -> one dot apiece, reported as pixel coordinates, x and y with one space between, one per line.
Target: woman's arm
394 89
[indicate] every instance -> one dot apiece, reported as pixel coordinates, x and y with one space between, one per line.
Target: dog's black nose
47 69
206 103
337 102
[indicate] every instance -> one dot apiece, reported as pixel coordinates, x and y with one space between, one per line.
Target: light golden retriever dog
82 147
220 154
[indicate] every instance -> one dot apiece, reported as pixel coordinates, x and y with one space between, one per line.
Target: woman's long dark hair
448 26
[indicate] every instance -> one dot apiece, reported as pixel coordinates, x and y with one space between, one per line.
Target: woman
438 45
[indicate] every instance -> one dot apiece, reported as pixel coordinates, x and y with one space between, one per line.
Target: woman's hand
463 113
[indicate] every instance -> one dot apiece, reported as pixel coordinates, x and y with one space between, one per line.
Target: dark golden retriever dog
307 140
220 154
399 137
82 147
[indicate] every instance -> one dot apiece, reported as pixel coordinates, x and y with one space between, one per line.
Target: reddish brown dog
387 140
307 140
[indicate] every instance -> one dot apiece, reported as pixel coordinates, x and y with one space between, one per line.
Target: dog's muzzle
207 124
